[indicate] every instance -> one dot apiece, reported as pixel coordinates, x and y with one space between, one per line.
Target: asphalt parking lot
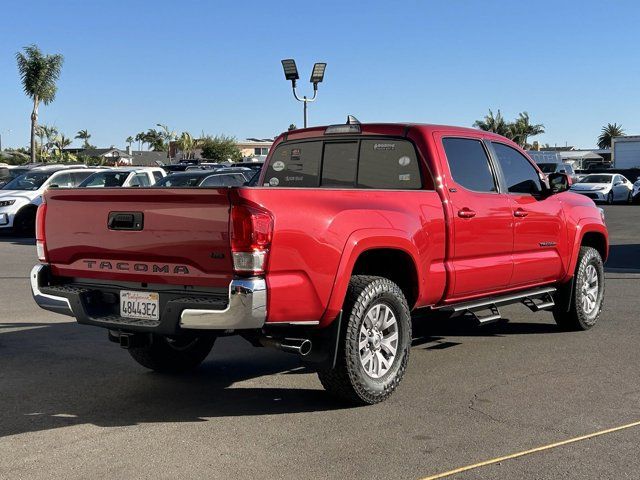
73 405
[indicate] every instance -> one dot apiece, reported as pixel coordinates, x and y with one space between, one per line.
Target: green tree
61 142
38 73
493 123
129 140
607 133
155 140
85 136
141 139
186 144
522 129
220 148
293 127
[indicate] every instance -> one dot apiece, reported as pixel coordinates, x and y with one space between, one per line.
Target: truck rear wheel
587 296
375 342
173 354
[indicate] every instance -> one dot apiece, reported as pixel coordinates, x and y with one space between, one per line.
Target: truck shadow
623 259
434 332
56 375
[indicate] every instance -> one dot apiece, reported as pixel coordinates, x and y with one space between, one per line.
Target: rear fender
357 243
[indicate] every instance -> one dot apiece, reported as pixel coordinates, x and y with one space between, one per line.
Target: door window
157 175
520 175
140 180
469 164
62 180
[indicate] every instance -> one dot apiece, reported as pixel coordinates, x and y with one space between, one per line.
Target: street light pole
317 75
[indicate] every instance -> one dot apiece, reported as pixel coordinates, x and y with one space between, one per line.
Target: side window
62 180
212 181
140 180
157 176
295 165
339 164
79 177
469 164
388 163
519 174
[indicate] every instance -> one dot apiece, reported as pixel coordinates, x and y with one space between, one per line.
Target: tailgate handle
125 221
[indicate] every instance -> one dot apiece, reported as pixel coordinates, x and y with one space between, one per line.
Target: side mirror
559 182
617 184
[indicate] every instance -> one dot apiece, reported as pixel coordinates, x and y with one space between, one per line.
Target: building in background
252 149
626 151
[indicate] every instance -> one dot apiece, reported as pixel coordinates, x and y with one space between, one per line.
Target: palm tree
38 73
608 132
186 144
129 140
493 123
522 129
41 133
61 142
84 135
141 139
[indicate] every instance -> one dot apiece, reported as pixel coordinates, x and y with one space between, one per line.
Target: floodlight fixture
317 74
290 69
291 73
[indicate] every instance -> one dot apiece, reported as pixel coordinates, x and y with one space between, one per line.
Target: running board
486 310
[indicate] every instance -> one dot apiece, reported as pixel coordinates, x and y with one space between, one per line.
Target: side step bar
486 310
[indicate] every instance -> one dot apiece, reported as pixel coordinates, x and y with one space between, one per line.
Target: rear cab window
368 163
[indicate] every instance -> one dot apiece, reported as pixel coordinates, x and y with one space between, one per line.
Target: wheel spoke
383 363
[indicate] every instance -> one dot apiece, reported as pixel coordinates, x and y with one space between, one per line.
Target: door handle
466 213
520 213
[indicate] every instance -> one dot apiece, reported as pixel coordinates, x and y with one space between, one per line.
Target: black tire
24 223
610 198
578 317
173 354
349 380
630 198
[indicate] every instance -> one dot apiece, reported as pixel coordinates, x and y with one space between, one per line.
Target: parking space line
529 452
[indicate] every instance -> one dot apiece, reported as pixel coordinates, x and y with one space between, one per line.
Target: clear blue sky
215 66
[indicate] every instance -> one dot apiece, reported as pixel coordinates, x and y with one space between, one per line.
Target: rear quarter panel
319 231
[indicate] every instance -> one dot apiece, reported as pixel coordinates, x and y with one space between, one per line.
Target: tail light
41 244
251 233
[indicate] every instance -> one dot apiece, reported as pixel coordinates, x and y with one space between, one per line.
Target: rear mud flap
326 342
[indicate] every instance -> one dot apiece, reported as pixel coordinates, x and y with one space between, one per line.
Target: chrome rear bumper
247 308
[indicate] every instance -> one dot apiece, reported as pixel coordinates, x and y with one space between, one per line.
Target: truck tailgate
161 236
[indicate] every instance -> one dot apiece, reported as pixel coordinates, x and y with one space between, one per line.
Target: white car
124 177
605 187
635 193
19 199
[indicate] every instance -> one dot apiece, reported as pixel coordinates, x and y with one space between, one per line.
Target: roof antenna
351 120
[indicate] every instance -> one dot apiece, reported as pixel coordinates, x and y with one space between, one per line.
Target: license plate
139 305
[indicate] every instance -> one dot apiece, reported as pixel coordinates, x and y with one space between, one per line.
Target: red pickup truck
349 230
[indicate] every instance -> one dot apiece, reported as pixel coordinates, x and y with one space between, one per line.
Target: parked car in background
20 198
125 177
635 193
559 168
605 187
8 173
202 178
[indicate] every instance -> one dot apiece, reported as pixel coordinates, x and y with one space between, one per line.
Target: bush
220 149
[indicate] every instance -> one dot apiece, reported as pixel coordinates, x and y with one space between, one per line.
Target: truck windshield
28 181
548 167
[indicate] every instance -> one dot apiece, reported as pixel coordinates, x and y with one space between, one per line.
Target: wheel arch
370 252
589 233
